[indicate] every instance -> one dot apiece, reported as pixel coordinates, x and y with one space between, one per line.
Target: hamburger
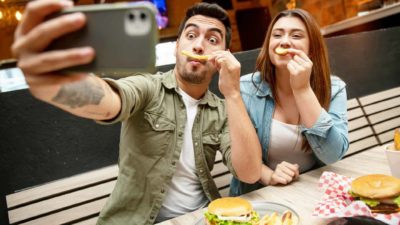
231 211
380 192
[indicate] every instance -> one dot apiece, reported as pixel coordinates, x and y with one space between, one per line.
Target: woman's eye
276 35
297 36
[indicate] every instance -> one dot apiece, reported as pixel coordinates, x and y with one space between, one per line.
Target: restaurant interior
363 40
242 13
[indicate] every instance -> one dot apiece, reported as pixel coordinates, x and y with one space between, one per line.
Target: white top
286 145
185 193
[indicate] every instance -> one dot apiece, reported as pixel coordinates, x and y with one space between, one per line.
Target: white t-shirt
286 145
185 194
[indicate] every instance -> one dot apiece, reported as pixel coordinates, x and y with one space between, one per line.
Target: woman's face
287 32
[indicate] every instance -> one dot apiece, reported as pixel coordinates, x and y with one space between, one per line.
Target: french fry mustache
194 56
281 51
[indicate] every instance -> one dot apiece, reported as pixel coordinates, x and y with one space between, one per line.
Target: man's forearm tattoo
80 94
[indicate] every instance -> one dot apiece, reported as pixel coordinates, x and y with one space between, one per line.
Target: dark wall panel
39 143
367 61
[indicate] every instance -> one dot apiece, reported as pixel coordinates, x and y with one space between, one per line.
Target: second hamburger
380 192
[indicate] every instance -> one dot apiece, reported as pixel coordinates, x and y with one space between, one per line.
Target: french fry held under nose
281 51
194 56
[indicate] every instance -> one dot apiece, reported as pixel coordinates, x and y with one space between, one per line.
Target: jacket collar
263 89
169 82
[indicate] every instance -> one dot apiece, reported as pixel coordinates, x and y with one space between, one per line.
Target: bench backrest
361 136
383 113
372 119
78 198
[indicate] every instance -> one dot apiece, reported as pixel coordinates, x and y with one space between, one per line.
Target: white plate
264 208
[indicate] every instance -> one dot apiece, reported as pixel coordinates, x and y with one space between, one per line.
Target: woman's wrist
304 90
266 175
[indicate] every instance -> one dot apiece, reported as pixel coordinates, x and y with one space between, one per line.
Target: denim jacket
328 137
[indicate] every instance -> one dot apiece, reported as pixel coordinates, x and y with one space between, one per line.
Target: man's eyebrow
191 25
217 30
211 29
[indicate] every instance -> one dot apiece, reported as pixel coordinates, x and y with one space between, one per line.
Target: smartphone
123 35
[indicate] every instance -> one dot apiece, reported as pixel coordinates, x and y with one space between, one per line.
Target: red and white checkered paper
337 202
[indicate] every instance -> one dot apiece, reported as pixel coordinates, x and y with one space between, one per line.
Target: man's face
202 35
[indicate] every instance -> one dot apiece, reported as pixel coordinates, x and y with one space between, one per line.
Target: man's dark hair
209 10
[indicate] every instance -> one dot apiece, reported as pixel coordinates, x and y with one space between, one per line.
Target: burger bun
230 206
376 186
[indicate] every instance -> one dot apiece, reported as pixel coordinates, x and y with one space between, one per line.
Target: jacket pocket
159 135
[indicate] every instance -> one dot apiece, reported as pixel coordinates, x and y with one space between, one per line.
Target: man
172 125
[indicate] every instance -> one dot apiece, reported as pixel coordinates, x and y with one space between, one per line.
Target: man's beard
194 77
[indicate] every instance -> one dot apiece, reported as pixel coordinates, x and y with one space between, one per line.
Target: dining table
304 194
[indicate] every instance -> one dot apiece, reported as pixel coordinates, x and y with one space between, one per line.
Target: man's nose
198 46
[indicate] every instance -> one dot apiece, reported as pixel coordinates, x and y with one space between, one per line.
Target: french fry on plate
274 219
287 218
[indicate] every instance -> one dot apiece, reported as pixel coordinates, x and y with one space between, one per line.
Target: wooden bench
80 198
361 136
383 113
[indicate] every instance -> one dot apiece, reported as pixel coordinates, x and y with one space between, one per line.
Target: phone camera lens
143 16
131 16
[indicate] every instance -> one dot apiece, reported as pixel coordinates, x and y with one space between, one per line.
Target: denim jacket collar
261 88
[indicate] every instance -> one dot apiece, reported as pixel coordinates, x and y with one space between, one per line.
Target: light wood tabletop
303 195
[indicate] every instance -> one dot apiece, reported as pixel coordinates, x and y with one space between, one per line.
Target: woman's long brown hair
320 76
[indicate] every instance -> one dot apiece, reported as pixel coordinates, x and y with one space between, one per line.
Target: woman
299 110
